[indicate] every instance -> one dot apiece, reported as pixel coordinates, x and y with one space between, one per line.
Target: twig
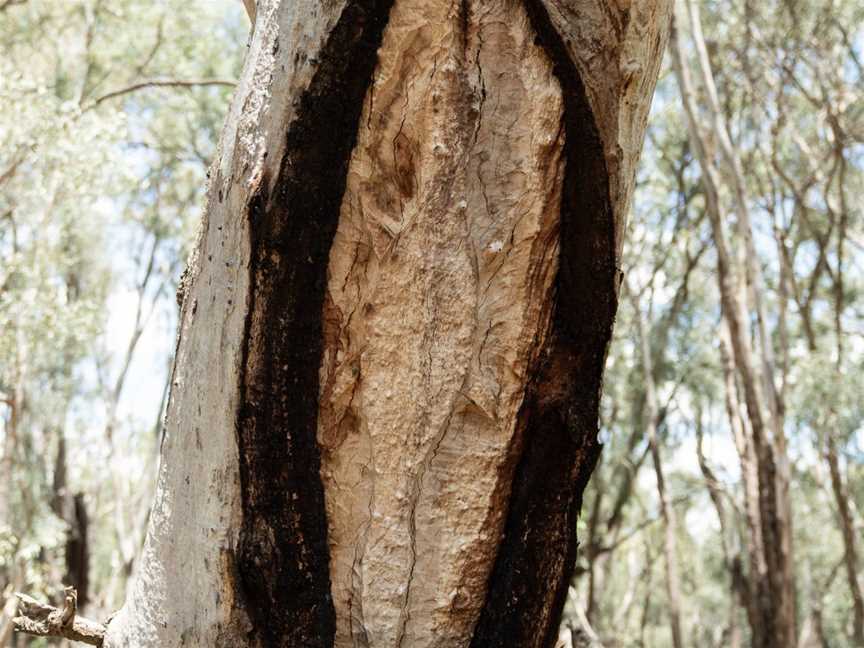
592 635
162 83
44 620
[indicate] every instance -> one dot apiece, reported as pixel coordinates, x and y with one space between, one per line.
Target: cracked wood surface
438 294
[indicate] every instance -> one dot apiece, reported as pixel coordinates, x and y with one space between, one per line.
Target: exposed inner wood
282 558
438 301
559 417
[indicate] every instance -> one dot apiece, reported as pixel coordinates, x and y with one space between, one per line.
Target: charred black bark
558 421
283 559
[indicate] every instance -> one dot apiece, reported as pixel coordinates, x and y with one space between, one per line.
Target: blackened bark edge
558 421
283 558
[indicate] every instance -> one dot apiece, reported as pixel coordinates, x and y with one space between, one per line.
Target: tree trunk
384 403
72 510
667 511
774 588
847 528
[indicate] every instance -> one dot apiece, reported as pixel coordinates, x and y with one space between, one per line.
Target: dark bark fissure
558 420
283 557
73 511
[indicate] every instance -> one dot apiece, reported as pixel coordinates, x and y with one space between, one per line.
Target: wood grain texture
438 292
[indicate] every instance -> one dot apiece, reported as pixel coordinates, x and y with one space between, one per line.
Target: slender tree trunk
7 460
71 509
384 403
594 560
12 574
776 594
9 609
847 527
838 487
670 548
756 584
739 584
14 403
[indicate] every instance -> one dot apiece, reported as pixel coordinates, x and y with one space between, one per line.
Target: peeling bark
384 406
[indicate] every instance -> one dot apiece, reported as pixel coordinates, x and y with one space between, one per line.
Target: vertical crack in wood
283 560
557 425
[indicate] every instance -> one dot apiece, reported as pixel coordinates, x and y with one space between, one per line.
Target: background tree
752 155
99 188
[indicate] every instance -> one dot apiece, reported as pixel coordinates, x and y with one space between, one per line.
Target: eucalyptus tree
764 168
384 403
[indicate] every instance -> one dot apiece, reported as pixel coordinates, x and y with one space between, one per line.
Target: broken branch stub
43 620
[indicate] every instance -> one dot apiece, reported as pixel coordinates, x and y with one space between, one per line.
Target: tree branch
44 620
5 4
162 83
